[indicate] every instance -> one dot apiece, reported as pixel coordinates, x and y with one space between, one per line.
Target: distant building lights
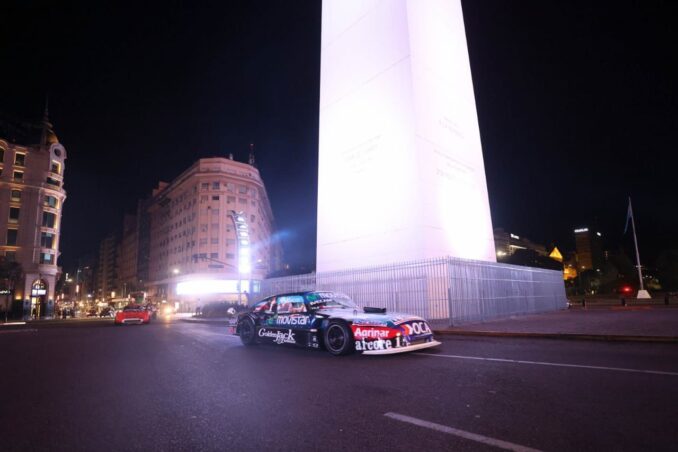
580 230
513 236
501 253
599 234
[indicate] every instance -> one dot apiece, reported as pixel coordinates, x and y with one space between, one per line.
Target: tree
667 269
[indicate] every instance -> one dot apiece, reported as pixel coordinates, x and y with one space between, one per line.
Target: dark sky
577 106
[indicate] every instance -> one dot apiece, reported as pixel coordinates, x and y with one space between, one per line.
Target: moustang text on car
334 322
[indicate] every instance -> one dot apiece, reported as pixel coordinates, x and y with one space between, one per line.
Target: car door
292 320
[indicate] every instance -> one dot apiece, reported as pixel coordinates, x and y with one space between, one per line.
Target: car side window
271 306
262 306
291 304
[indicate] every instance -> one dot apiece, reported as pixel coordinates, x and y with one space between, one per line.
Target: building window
230 187
56 167
20 159
13 214
242 200
215 185
214 240
47 240
11 237
230 242
47 258
214 255
2 155
230 199
215 198
57 152
52 181
204 186
51 201
10 256
203 241
230 256
16 195
48 220
203 228
18 176
215 211
203 198
242 189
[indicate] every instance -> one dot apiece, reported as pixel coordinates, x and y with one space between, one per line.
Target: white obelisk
401 173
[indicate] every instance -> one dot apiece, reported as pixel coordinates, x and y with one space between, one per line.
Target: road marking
12 323
460 433
540 363
29 330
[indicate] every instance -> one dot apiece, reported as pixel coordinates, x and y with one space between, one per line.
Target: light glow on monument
401 173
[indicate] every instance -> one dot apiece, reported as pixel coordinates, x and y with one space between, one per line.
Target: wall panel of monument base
445 291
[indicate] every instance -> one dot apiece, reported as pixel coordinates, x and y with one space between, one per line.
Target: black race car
332 321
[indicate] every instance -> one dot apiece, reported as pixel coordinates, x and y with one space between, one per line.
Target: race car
334 322
133 313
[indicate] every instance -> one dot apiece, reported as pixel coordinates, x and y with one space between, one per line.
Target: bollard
666 299
583 302
623 301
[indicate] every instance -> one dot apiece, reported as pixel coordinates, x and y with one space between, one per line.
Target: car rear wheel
338 338
247 332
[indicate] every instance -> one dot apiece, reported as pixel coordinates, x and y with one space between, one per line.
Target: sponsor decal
416 328
381 344
361 332
291 320
279 337
368 322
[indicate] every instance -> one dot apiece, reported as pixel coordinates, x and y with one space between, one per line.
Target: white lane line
460 433
29 330
540 363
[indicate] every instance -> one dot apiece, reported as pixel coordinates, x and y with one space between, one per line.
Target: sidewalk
602 323
608 323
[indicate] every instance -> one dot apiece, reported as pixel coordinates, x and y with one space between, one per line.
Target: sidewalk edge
563 336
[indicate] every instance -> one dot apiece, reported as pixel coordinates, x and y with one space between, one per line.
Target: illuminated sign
398 127
5 292
513 236
211 286
577 231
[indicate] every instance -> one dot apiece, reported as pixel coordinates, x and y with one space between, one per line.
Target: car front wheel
338 338
247 332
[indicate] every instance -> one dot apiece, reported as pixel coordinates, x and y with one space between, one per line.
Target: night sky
577 106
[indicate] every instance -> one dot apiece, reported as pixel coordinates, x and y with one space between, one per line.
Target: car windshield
133 308
319 300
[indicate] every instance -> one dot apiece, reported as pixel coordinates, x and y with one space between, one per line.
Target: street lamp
175 271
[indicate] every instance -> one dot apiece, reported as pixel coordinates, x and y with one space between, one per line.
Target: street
172 385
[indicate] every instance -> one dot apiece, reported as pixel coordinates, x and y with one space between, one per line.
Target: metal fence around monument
445 291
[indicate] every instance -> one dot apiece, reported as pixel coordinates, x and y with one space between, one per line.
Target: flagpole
635 242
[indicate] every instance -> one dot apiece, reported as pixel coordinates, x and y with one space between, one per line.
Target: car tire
248 333
338 338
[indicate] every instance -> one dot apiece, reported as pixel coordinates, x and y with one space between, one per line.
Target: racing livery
334 322
133 313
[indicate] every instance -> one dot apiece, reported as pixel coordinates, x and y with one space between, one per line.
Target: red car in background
133 313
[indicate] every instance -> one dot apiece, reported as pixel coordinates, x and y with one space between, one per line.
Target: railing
444 290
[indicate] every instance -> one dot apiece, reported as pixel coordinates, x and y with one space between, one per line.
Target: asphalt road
88 385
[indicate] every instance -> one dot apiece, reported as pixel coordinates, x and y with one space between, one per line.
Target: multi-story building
107 272
589 249
210 234
127 258
507 243
32 164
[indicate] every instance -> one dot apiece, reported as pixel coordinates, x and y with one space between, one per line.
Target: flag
629 215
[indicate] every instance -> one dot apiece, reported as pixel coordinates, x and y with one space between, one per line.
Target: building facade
210 234
107 271
31 201
589 245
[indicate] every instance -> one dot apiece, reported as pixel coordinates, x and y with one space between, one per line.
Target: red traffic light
626 289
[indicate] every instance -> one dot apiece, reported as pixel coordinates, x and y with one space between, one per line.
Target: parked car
133 313
334 322
92 312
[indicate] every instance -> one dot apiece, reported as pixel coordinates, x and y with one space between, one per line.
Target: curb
564 336
208 321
